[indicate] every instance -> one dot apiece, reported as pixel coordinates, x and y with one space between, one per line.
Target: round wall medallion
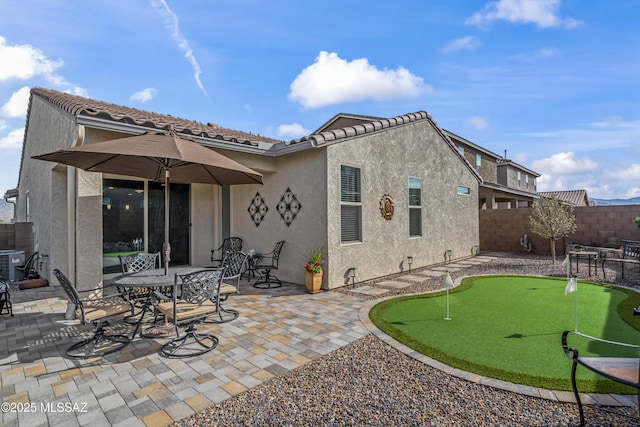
387 207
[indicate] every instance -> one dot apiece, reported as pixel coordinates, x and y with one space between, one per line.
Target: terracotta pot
313 281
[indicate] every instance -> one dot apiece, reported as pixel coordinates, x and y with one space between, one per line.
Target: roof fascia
263 148
509 190
471 144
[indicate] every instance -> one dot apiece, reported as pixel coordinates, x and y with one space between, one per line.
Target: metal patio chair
195 297
97 311
268 262
230 244
139 296
234 264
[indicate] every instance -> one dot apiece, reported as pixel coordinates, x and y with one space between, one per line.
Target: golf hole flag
572 286
448 282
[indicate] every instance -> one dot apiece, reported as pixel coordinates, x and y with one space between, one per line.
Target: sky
555 83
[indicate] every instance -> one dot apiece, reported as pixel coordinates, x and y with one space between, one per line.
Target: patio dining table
155 279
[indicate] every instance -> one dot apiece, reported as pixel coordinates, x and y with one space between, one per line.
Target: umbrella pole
166 247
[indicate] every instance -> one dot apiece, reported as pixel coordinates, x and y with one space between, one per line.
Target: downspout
12 194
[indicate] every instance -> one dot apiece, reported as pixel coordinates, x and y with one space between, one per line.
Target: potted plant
313 270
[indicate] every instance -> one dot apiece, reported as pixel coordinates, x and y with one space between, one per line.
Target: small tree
552 220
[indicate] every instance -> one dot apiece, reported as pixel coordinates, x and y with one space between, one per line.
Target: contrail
183 44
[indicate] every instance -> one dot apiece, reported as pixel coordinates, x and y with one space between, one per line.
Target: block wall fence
501 229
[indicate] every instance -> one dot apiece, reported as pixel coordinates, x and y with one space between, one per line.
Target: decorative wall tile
288 207
258 209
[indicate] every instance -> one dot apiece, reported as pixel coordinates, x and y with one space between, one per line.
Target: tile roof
574 197
325 137
80 106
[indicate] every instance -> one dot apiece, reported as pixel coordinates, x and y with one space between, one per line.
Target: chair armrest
213 251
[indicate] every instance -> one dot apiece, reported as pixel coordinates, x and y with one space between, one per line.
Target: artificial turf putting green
510 328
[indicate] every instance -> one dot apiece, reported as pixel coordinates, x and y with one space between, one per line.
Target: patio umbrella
158 156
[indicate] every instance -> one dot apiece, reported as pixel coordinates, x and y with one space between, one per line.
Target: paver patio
278 330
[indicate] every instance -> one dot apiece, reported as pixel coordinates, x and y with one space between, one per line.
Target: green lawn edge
625 310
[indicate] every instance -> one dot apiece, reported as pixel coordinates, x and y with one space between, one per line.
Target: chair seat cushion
227 289
186 311
95 310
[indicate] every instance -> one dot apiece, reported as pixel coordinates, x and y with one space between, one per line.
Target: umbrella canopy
158 156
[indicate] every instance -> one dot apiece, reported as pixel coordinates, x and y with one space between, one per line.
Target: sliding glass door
133 220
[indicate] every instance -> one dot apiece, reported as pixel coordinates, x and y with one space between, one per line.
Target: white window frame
415 207
464 191
354 206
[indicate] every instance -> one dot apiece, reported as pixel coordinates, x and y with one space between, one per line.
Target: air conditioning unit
9 260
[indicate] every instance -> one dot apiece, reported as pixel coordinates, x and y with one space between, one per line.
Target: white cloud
478 123
631 173
23 62
566 163
13 140
3 125
171 20
633 192
466 43
546 182
333 80
145 95
293 130
17 104
543 13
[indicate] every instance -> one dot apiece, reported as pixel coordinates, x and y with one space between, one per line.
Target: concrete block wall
501 229
17 236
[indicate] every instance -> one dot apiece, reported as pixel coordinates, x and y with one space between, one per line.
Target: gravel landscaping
370 383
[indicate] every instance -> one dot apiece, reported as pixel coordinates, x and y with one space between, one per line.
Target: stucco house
505 183
370 191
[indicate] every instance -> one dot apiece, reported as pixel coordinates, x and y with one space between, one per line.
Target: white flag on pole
566 260
448 282
572 286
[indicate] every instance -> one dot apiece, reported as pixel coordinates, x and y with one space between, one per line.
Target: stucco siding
387 161
49 129
305 174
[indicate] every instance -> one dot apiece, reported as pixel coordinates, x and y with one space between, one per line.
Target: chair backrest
234 264
70 290
139 262
231 244
276 252
200 286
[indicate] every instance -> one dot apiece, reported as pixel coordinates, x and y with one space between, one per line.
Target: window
478 163
526 179
461 150
519 176
350 204
415 207
464 190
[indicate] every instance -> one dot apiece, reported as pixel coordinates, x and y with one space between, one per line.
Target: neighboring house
505 184
370 191
571 197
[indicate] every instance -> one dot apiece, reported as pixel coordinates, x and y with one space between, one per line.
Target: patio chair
234 264
5 297
268 262
97 311
132 264
199 293
230 244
